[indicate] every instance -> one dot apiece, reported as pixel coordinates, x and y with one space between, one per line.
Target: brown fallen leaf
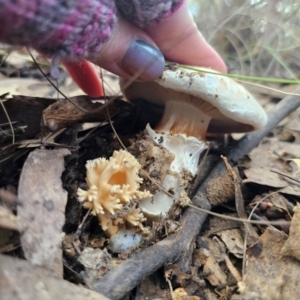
269 275
291 246
64 113
41 208
272 154
20 280
264 177
234 241
208 256
293 190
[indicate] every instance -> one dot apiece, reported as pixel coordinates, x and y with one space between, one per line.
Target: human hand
133 53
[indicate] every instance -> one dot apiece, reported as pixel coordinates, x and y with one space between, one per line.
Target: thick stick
178 247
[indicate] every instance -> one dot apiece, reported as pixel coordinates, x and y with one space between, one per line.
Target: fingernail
143 60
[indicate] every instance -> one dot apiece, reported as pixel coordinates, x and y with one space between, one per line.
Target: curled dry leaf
41 208
233 239
264 177
64 113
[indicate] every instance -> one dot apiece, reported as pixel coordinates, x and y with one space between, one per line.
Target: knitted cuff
147 13
74 28
64 28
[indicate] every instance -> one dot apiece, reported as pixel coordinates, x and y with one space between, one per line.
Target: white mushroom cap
228 105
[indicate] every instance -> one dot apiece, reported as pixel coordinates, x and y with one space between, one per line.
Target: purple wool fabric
147 13
74 28
68 28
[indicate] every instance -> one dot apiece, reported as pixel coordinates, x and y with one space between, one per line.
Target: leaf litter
58 238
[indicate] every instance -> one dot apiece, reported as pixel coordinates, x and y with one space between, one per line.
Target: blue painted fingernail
143 60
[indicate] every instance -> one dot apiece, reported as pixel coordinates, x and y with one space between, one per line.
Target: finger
130 53
179 40
85 76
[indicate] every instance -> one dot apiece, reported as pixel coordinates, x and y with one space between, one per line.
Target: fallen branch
179 246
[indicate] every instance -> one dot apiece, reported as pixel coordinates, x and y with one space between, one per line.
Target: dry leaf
268 274
95 262
296 163
208 256
19 280
182 294
24 86
272 154
291 246
233 240
216 275
41 208
264 177
64 113
293 190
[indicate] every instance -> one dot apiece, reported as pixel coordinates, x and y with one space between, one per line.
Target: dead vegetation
238 239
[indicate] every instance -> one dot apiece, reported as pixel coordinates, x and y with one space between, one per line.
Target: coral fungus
114 191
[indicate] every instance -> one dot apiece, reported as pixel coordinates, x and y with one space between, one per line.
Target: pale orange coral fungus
113 184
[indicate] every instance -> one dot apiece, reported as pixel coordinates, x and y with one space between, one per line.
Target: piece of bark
41 208
19 280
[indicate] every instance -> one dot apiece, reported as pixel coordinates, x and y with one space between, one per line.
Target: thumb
130 53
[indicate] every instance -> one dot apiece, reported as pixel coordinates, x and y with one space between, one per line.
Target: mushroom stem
187 151
183 117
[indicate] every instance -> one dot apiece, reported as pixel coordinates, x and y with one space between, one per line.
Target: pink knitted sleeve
73 28
70 28
147 13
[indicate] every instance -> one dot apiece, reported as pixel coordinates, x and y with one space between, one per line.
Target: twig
285 175
239 202
179 246
8 118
